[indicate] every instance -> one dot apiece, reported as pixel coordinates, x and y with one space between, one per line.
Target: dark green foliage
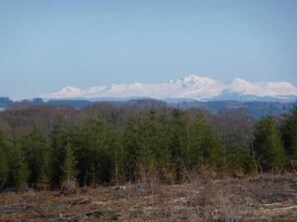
177 143
239 160
60 138
204 147
268 144
18 168
131 149
290 133
93 148
13 167
3 169
234 130
3 160
69 165
114 146
146 147
35 146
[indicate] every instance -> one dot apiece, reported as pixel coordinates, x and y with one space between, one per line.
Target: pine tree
60 138
3 160
131 150
36 151
18 169
290 133
69 165
178 143
95 152
234 130
204 148
268 144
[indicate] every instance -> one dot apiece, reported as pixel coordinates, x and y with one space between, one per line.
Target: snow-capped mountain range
190 87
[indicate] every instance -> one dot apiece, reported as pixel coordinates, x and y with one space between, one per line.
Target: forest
43 147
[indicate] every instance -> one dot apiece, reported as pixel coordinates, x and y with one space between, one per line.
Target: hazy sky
46 45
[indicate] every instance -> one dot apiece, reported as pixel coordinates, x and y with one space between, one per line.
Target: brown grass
266 198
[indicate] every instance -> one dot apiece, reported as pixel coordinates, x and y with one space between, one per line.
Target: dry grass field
265 198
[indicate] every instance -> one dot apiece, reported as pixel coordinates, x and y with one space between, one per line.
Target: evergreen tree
36 151
178 143
290 133
204 148
60 138
69 165
18 169
131 150
3 169
234 130
146 144
268 144
3 160
160 145
94 150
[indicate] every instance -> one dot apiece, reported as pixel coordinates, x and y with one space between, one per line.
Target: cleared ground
266 198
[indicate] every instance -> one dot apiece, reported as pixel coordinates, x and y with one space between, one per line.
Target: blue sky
46 45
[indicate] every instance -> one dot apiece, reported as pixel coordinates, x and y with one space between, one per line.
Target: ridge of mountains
192 87
258 99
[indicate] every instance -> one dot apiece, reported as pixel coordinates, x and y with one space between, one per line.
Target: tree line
113 145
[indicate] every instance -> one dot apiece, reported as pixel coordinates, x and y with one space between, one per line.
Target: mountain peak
193 79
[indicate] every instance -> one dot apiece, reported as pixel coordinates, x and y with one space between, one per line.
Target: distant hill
255 108
5 102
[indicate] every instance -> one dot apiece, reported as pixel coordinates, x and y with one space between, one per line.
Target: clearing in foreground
263 198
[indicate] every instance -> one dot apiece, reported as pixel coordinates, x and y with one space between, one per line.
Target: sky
47 45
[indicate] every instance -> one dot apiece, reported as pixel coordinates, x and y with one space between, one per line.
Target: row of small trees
156 145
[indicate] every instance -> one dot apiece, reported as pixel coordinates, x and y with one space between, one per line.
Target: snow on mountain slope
262 89
193 86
